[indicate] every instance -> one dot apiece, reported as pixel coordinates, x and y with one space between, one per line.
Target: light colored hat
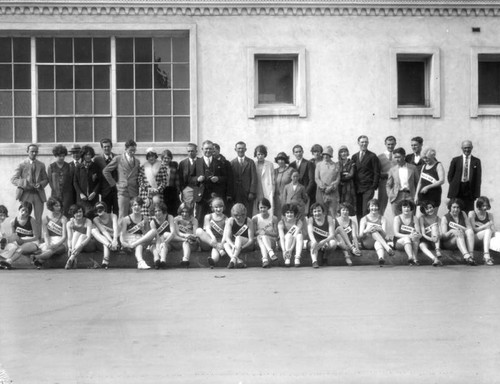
75 149
344 148
328 151
151 151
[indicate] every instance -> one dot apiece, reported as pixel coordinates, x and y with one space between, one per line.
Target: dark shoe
437 263
241 265
5 265
37 264
470 261
315 264
157 264
413 262
104 265
230 265
381 262
211 262
265 264
163 265
391 252
184 264
3 243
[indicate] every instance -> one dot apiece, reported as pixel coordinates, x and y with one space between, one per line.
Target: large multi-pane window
81 89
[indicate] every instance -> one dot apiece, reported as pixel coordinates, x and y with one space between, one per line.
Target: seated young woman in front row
406 231
266 231
212 233
483 226
79 235
346 232
162 225
185 226
290 229
321 229
238 236
430 228
106 231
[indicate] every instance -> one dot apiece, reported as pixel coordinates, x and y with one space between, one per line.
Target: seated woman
79 230
321 229
457 231
290 229
54 233
106 231
238 236
483 227
346 232
25 236
162 224
406 231
185 226
266 230
212 233
373 232
430 224
7 247
135 232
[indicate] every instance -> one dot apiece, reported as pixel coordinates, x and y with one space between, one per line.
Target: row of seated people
237 234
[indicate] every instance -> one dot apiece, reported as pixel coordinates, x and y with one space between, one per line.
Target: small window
276 82
485 81
415 82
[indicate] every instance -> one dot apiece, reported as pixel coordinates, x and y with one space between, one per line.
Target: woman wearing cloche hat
282 176
327 177
152 181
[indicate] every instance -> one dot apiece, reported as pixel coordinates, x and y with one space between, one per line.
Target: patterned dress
147 172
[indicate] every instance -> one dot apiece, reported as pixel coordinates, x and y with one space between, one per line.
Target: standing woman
457 231
265 178
483 226
431 179
152 180
172 190
283 176
79 234
321 229
406 231
327 176
106 231
347 194
87 180
61 178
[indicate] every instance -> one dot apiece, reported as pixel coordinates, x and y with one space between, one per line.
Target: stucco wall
347 83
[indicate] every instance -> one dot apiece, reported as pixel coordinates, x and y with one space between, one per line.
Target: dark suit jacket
306 175
101 163
23 178
411 160
455 176
128 173
367 172
87 180
216 169
185 172
245 179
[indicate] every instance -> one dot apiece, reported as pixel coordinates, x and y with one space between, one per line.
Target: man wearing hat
327 177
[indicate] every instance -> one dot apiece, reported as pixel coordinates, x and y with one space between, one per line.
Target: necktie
108 159
361 155
33 173
466 169
390 156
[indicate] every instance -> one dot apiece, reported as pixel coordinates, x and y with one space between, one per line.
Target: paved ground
335 324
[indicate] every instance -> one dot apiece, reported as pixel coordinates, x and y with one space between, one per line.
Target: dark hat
282 156
75 149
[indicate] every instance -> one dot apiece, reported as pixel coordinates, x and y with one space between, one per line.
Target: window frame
299 106
476 109
431 57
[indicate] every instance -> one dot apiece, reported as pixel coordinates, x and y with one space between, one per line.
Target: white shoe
142 265
297 262
287 262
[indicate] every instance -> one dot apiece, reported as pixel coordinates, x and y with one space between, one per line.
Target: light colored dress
265 184
327 173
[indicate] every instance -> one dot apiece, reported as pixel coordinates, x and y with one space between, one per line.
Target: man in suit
464 176
416 158
108 193
387 161
77 159
306 173
367 176
227 189
402 181
30 177
186 168
127 168
245 178
209 174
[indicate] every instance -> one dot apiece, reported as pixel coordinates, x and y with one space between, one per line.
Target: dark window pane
163 129
64 129
102 128
22 76
5 103
163 77
143 76
83 102
489 82
64 50
411 83
45 77
101 103
181 76
144 129
45 128
46 103
5 50
275 81
5 76
163 103
64 77
125 102
83 77
83 129
144 103
6 131
45 50
162 48
22 103
102 50
180 49
125 128
22 50
143 50
181 102
124 50
101 77
181 129
125 76
64 102
22 129
83 50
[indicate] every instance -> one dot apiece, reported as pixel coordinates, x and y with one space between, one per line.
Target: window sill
276 110
487 111
416 111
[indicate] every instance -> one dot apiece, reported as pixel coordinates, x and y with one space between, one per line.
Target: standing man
306 173
245 178
402 181
186 168
210 175
30 178
387 161
227 189
415 158
367 176
77 159
127 169
464 176
108 193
